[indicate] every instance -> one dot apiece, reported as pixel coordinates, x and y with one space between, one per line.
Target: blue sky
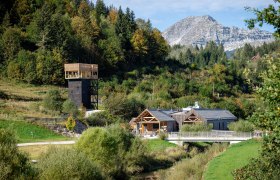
164 13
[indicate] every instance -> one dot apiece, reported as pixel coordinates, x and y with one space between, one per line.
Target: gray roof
215 114
162 115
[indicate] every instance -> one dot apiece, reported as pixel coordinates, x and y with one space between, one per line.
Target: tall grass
192 168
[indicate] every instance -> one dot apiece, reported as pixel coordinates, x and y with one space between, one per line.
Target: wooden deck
81 71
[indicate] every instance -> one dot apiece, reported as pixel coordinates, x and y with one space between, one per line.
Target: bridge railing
210 134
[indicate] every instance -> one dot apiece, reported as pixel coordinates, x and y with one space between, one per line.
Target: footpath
46 143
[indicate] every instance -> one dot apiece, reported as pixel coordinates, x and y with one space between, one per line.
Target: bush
52 101
13 164
69 107
241 126
71 123
66 163
162 135
196 127
115 150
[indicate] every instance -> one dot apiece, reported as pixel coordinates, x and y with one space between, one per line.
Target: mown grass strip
236 156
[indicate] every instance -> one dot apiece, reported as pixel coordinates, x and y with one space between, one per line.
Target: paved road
46 143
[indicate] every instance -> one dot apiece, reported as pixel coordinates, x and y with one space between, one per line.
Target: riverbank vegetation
192 168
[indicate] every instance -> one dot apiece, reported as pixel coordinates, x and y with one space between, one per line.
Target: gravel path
45 143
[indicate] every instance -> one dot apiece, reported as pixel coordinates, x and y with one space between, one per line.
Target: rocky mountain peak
198 30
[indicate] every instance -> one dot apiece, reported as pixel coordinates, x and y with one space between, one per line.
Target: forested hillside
137 67
37 37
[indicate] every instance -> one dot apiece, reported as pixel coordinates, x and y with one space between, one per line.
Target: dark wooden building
218 118
82 84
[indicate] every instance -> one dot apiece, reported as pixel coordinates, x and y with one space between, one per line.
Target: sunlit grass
26 132
35 151
236 156
158 144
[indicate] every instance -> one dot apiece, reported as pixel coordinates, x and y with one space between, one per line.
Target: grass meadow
27 132
236 156
158 145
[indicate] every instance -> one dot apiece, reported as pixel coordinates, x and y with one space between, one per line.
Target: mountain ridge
198 30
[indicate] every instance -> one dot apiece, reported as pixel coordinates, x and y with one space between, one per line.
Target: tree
159 47
49 66
39 29
13 163
269 15
84 10
139 42
100 8
267 166
11 39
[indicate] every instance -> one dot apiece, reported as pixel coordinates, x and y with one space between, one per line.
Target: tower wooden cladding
82 84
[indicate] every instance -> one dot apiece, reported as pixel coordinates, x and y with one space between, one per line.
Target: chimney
196 106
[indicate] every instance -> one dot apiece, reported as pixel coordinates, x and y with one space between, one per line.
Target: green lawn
158 144
236 156
27 132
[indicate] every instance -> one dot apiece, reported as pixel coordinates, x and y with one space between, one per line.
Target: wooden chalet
219 118
150 122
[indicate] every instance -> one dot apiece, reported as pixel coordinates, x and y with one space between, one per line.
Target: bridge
211 136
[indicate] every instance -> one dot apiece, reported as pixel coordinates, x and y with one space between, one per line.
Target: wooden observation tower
82 84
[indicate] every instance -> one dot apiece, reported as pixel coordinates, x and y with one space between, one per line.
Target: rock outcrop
198 30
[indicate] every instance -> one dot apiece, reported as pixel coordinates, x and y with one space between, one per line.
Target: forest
137 67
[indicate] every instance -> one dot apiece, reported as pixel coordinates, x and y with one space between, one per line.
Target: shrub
52 101
66 163
116 151
69 107
162 135
196 127
241 126
13 164
71 123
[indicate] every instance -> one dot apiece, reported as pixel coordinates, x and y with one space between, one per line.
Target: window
155 126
